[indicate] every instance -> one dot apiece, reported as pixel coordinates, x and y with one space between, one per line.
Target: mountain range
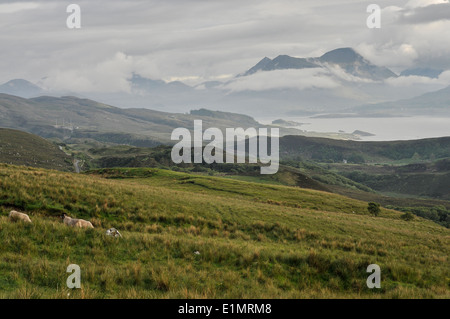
339 81
345 58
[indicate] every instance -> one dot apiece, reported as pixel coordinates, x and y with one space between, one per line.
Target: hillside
21 148
253 240
420 179
70 118
403 174
408 184
328 150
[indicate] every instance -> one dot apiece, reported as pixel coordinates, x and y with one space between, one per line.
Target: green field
255 240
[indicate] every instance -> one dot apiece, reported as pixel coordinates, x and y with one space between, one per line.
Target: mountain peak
281 62
342 55
261 65
21 87
19 83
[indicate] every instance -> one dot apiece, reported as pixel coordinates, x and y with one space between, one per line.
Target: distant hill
21 148
71 117
145 85
245 120
397 168
21 88
430 179
328 150
432 103
345 58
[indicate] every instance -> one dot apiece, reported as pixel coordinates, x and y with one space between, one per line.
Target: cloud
411 36
8 8
338 72
283 79
423 3
390 53
186 79
407 81
111 75
426 14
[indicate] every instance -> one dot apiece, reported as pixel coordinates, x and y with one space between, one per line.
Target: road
75 164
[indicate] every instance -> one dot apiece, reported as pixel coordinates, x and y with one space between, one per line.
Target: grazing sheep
15 216
113 232
81 223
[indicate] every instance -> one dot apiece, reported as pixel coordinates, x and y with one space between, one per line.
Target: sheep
14 216
74 222
113 232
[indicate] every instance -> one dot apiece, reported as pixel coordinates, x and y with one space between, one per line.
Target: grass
21 148
397 186
255 240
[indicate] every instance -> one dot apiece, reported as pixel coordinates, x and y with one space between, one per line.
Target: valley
406 175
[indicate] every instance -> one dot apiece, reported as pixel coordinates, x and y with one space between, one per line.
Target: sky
206 40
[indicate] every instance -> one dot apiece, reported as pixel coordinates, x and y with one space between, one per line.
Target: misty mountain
21 88
427 72
143 85
281 62
355 64
335 82
346 58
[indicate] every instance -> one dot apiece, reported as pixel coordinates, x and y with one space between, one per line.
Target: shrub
374 208
407 216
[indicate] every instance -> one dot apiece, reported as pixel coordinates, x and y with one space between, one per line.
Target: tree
356 159
374 208
407 216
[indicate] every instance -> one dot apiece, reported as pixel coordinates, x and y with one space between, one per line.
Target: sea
383 129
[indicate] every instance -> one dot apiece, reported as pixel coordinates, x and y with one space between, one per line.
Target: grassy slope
255 241
393 182
329 150
160 157
421 179
20 148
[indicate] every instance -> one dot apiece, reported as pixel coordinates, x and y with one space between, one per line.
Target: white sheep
15 216
74 222
113 232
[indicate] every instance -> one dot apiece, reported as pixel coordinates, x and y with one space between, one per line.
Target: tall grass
255 241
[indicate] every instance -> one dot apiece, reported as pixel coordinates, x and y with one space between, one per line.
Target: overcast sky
199 40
